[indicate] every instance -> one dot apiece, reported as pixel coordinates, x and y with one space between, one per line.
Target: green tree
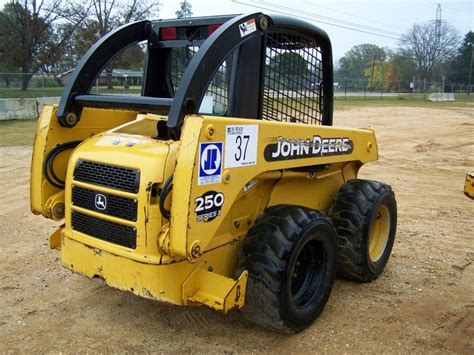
357 60
68 59
289 68
404 68
290 63
185 10
460 66
381 75
29 37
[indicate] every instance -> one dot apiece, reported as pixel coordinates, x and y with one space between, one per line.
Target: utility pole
372 75
438 26
438 23
470 72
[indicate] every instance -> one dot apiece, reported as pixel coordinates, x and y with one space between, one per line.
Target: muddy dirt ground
423 302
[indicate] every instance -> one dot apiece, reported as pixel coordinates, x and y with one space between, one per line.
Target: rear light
212 28
168 33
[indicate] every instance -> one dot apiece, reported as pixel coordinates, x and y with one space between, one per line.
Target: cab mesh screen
293 79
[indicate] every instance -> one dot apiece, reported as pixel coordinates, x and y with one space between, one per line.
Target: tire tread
349 213
263 254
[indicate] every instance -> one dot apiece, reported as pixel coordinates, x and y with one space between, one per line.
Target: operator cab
247 66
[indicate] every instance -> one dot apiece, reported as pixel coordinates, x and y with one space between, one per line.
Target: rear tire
365 216
290 255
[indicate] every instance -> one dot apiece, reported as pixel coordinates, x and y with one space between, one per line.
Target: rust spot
149 186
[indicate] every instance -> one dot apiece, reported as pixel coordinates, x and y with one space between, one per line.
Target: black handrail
140 103
92 63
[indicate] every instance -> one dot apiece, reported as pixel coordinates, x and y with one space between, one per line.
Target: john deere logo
100 202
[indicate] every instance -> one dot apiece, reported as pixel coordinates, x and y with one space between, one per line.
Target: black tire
290 254
365 216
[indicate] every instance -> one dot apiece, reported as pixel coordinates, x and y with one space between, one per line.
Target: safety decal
241 143
208 206
210 163
285 149
247 27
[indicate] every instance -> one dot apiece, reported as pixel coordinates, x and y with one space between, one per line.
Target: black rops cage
249 66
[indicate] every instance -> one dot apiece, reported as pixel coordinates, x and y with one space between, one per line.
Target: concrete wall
23 108
441 97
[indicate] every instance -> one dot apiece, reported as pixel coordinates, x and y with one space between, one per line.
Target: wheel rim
307 274
379 232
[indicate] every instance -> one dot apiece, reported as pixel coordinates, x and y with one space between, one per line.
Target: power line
325 20
332 19
343 22
353 15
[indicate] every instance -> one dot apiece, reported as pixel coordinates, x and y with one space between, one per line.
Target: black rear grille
116 206
104 230
116 177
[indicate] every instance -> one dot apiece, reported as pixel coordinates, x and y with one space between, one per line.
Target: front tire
365 216
290 254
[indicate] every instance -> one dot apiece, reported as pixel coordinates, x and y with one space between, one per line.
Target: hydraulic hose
48 164
167 186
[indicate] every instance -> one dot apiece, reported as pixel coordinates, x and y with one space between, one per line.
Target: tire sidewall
324 232
386 198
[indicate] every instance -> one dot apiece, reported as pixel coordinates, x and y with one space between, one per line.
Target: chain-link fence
22 95
122 81
18 85
418 89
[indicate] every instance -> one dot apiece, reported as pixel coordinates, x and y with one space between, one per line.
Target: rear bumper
159 282
178 283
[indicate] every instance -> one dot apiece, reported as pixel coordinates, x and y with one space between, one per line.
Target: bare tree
430 48
185 10
105 15
29 37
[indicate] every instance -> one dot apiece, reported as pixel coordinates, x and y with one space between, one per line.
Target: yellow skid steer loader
224 182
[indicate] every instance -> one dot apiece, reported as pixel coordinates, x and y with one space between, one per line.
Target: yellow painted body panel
50 133
469 186
186 232
147 155
180 261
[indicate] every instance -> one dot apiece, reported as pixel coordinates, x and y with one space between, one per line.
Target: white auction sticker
241 144
247 27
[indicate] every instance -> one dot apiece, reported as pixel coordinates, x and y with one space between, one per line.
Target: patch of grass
13 93
462 100
17 132
10 93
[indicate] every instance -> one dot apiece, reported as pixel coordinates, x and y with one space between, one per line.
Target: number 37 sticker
241 145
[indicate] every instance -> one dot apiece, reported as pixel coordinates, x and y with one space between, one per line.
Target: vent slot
115 177
116 206
104 230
